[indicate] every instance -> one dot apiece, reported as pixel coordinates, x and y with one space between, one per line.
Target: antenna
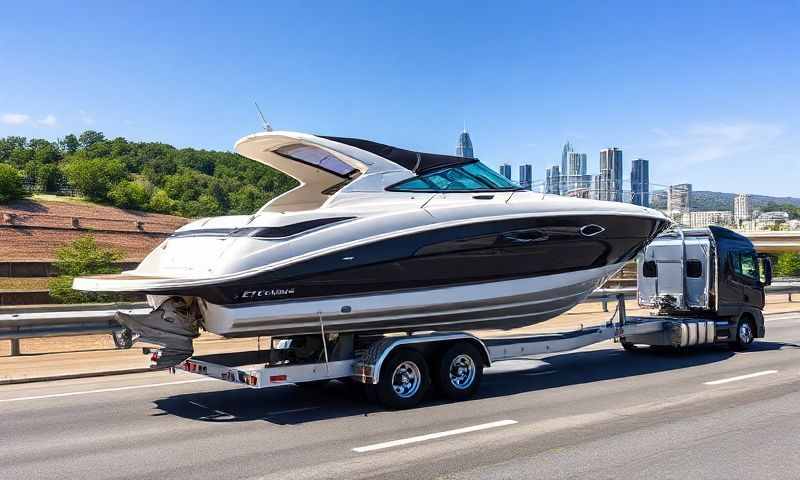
264 122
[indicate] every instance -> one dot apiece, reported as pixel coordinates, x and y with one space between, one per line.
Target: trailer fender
368 368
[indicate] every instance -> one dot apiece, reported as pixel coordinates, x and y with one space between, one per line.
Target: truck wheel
745 334
460 371
404 379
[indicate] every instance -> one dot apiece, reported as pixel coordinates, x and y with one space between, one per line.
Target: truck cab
708 272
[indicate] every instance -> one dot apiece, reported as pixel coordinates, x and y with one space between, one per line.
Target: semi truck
704 286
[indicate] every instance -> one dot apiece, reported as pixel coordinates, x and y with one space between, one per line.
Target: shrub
11 187
82 257
161 203
94 177
127 194
787 265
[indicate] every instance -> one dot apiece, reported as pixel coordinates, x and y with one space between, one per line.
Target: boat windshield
472 177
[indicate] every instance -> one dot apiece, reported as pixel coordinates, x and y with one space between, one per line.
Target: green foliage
11 187
792 210
787 265
161 203
131 195
94 177
248 199
184 181
89 138
82 257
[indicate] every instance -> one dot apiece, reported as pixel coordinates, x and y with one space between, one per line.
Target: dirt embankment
34 230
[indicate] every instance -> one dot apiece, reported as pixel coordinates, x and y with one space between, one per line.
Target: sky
709 92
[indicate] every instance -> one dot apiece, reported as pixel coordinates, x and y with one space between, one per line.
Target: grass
60 198
23 283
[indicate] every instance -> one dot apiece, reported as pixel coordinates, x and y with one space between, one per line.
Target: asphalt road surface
596 413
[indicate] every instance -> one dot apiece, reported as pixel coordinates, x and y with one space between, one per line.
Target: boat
376 238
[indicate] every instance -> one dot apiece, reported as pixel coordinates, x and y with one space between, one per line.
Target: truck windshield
472 177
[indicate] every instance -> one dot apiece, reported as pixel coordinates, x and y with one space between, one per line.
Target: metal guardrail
65 320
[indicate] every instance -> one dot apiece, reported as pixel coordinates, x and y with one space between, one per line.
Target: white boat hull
497 305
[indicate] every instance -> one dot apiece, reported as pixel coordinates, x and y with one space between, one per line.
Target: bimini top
417 162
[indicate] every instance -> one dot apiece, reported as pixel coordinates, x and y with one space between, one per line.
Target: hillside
704 200
32 230
146 176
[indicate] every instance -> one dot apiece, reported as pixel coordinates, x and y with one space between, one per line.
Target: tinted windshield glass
471 177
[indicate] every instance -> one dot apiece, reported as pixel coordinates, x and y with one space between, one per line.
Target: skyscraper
526 175
742 208
464 147
564 157
575 177
611 174
505 170
640 182
552 183
679 198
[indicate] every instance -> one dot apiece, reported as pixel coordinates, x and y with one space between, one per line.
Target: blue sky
708 91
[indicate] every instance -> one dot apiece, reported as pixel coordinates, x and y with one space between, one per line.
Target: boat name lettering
270 292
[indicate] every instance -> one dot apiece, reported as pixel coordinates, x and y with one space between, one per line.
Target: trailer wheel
745 334
460 371
628 346
404 379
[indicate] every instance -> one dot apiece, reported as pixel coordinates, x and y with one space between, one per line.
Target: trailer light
277 378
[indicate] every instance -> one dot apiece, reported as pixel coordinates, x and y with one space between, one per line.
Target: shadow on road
290 405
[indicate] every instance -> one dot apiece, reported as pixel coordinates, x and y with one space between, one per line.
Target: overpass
775 242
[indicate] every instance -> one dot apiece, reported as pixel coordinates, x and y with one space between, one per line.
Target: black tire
628 346
404 380
459 371
745 334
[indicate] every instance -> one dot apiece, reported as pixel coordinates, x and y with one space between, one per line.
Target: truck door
744 279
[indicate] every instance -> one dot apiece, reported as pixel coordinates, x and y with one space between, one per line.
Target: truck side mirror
766 265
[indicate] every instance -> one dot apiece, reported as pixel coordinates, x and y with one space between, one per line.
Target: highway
596 413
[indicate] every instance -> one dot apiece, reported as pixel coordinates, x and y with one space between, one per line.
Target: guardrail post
14 347
605 304
790 297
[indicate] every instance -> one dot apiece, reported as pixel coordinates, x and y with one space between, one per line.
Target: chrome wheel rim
406 379
462 372
745 333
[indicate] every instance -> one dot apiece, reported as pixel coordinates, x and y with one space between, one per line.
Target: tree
89 138
70 144
82 257
11 186
94 177
161 203
127 194
787 265
46 152
248 200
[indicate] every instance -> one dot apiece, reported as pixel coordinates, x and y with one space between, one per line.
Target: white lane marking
432 436
104 390
547 372
774 317
219 413
741 377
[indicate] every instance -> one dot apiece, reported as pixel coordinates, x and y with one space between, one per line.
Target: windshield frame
398 187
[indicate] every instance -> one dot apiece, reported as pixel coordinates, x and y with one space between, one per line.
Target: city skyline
188 86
